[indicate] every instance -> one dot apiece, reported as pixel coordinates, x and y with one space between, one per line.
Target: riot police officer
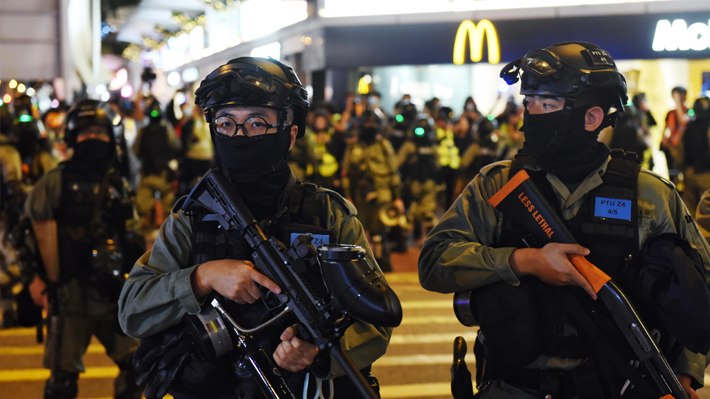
371 181
80 212
419 167
257 110
569 88
156 146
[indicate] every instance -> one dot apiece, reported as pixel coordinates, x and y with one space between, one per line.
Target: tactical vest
305 212
544 325
421 165
73 216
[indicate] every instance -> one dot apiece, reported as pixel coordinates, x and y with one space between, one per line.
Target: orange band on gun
669 396
591 273
508 188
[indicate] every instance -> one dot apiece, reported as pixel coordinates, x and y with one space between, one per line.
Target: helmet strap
562 130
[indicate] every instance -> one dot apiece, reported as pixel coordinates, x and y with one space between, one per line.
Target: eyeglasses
254 127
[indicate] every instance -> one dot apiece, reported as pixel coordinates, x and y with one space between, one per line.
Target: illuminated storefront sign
474 33
680 36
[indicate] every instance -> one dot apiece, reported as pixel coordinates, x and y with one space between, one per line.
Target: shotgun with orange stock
521 200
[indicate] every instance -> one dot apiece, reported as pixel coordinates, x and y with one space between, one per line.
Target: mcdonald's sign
475 34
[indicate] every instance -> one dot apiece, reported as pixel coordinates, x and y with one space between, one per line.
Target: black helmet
255 81
445 113
153 110
566 70
405 113
23 106
423 130
87 113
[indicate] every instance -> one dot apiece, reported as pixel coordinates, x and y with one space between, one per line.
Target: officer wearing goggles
535 348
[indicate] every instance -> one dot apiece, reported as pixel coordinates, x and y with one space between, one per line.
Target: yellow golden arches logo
475 35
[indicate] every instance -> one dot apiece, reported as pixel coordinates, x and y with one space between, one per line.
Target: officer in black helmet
156 146
419 167
404 114
537 347
81 212
257 110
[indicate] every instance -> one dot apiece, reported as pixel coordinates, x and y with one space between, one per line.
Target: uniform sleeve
363 342
157 293
457 254
702 215
44 197
671 216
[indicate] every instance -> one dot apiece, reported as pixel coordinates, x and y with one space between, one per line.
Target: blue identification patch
612 208
318 239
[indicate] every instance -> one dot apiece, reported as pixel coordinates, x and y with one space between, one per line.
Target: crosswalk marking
437 338
437 304
416 320
39 349
416 390
414 360
43 374
20 332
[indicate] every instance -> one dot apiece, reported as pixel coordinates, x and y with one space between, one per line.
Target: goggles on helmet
541 64
242 83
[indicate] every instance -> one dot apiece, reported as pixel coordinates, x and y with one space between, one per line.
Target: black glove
160 358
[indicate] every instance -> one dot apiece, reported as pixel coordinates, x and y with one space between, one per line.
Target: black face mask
94 152
257 168
576 155
244 155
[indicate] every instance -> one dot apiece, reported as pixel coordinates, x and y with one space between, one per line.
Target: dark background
623 36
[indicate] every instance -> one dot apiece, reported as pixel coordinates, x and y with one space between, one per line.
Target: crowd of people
98 177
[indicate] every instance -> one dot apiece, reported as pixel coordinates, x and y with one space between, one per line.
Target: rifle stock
521 200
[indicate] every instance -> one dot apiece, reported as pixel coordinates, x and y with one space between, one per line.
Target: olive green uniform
421 210
82 310
158 293
459 253
371 179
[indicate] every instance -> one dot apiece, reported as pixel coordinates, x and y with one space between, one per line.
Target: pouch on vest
505 310
669 285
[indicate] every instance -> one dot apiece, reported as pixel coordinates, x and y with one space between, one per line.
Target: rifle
356 290
521 200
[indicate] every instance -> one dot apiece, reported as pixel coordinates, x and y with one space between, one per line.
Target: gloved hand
160 358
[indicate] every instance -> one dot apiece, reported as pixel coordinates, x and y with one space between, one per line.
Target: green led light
154 114
419 131
1 103
399 118
25 118
691 112
490 117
